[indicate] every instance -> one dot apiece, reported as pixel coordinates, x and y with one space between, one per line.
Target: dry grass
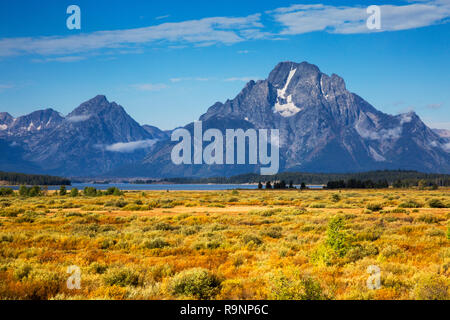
223 245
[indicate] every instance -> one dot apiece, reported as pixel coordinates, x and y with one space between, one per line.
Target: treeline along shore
15 179
396 178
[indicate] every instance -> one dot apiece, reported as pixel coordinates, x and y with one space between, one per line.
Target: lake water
143 187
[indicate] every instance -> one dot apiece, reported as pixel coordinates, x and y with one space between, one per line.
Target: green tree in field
74 192
337 238
268 185
6 191
113 191
23 191
422 184
90 191
303 186
34 191
260 185
62 190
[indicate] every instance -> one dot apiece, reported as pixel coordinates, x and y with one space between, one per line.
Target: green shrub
22 272
157 243
120 203
296 288
62 190
6 192
436 203
23 191
163 226
273 232
123 277
431 287
410 204
34 191
113 191
30 192
399 210
317 205
250 238
428 218
374 207
90 191
98 268
335 197
198 283
74 192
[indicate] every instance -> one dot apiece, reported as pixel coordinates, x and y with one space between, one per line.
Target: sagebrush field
258 244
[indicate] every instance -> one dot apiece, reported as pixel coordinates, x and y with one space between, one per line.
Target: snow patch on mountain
376 156
3 127
284 106
405 118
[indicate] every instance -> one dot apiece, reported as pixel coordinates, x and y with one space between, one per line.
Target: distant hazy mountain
30 124
323 128
96 137
442 133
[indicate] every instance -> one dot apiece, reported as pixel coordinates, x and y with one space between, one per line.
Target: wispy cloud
5 87
243 79
293 20
128 147
298 19
434 106
60 59
162 17
207 31
149 86
175 80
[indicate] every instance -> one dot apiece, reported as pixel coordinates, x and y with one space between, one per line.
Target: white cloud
383 134
5 87
298 19
434 106
212 30
162 17
243 79
149 86
175 80
128 147
446 147
79 118
60 59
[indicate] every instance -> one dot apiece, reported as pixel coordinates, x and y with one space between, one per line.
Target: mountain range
323 128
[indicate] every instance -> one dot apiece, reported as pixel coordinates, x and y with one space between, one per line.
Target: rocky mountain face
29 124
323 128
94 138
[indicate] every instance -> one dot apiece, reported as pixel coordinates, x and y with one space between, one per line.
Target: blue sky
166 62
